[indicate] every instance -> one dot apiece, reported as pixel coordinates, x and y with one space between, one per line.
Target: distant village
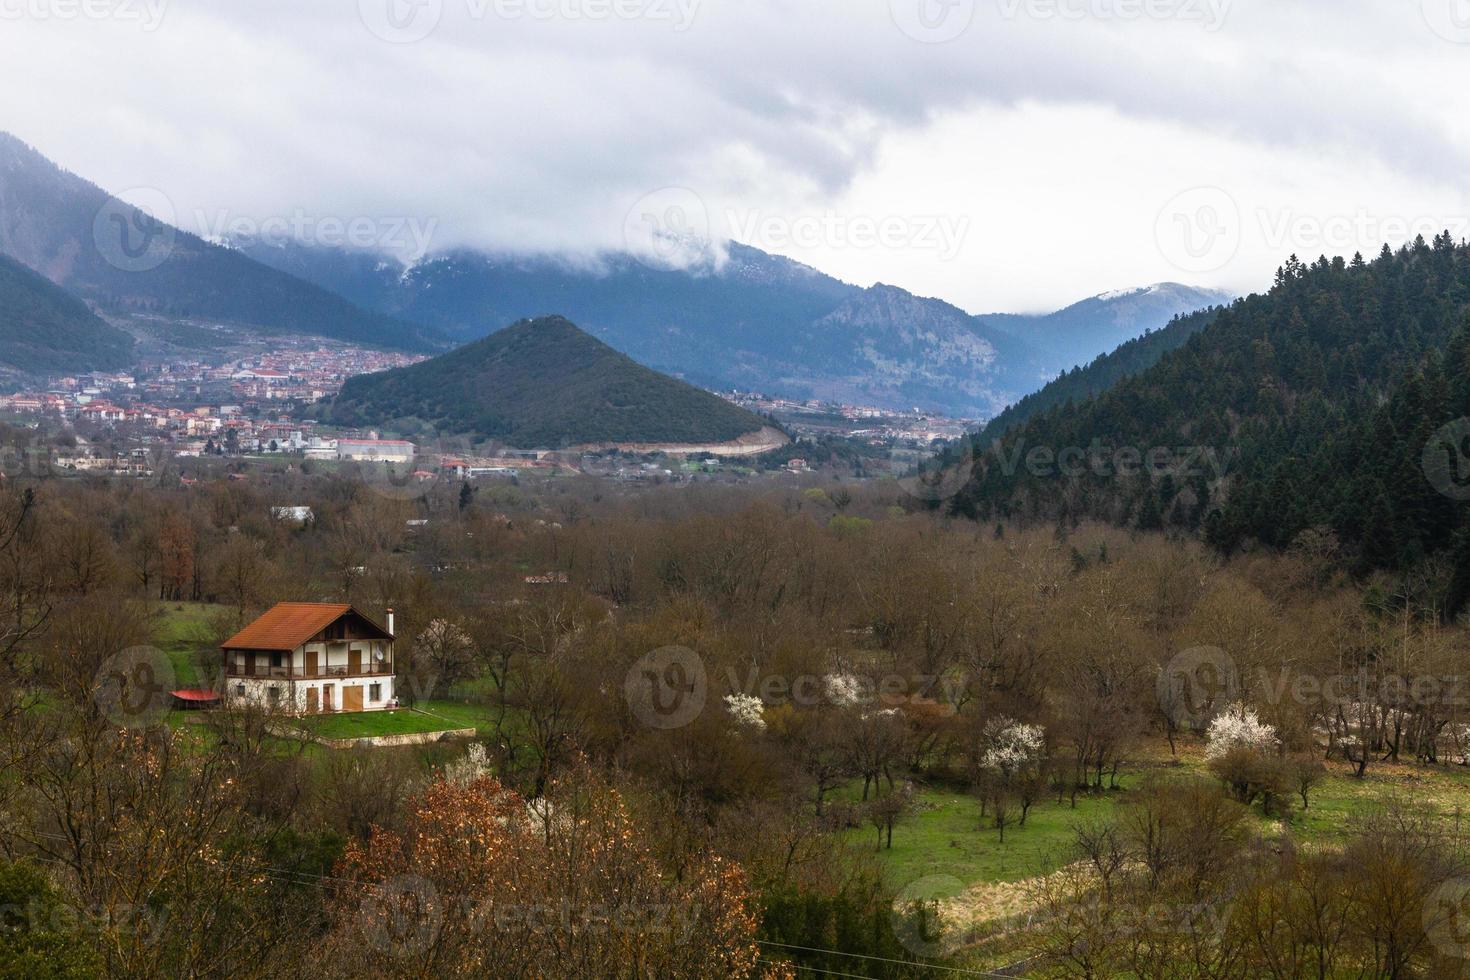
878 426
189 408
250 405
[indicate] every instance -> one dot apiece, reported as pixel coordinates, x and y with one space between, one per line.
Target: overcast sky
1002 154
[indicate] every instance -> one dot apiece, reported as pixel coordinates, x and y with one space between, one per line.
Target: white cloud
1057 128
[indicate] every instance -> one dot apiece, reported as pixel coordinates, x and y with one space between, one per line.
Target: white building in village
376 450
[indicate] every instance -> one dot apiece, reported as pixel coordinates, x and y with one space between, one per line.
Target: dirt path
750 444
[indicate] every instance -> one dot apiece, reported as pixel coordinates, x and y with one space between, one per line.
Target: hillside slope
80 237
541 384
45 329
1105 371
1329 404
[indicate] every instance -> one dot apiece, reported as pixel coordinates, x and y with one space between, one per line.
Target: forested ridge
1321 394
541 383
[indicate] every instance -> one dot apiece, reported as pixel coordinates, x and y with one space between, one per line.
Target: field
943 848
945 836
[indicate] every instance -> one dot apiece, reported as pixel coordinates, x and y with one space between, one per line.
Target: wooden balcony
375 669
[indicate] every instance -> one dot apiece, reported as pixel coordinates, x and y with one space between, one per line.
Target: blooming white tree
444 633
1239 727
844 690
1011 748
475 764
747 710
1012 767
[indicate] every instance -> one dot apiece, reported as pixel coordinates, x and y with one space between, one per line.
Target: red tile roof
287 625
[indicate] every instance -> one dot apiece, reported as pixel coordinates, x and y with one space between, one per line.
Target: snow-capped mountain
1096 325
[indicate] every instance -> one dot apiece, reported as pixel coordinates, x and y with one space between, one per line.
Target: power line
885 959
830 973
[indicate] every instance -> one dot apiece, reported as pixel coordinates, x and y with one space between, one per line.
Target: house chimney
390 621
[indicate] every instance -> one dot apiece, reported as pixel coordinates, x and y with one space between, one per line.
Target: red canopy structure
195 698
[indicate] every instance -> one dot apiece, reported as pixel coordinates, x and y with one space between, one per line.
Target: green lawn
461 715
943 835
182 630
480 717
362 724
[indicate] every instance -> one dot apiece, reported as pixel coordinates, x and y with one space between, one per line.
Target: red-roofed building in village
311 657
102 412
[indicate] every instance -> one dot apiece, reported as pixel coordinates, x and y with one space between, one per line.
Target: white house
261 374
376 450
311 657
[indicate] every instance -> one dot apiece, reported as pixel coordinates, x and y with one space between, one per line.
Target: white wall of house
279 679
258 690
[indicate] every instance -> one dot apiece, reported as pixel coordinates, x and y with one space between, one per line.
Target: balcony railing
373 669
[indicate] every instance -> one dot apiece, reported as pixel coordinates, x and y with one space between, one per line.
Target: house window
273 693
240 690
275 660
375 692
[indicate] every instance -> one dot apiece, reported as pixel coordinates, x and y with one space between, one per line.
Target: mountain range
753 321
741 318
541 384
1099 324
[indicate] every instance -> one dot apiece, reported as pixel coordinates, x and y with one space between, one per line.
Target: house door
354 665
329 697
311 663
313 702
352 699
